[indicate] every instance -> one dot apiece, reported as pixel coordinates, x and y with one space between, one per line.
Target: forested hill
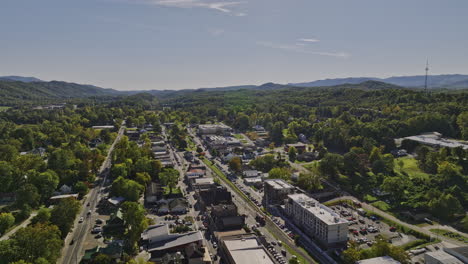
448 81
15 91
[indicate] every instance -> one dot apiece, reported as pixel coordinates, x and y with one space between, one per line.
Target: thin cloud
308 40
222 6
301 49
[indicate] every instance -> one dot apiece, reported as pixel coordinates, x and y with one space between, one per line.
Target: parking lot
364 229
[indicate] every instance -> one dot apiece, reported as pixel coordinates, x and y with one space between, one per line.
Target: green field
238 136
382 205
410 167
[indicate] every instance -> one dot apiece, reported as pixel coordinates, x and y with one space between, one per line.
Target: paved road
73 253
23 224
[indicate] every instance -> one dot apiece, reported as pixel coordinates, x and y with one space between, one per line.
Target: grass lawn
238 136
311 165
410 166
174 191
449 234
370 198
382 205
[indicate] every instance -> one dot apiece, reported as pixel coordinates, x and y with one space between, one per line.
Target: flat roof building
276 191
440 257
244 249
317 220
208 129
379 260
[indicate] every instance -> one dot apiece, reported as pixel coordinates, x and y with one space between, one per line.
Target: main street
72 252
247 207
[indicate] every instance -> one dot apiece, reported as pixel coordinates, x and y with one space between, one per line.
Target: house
302 138
188 155
229 156
174 206
65 189
300 147
95 142
38 151
115 201
133 135
255 181
258 128
115 220
308 156
158 241
251 174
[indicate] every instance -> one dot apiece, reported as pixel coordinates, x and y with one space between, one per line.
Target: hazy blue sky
176 44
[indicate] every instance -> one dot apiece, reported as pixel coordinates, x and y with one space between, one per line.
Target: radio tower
425 80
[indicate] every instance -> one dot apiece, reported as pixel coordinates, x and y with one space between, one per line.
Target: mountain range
17 88
449 81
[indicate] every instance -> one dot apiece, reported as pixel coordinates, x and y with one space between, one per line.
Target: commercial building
244 249
203 183
213 196
158 241
212 129
440 257
317 220
435 139
276 191
460 253
379 260
225 217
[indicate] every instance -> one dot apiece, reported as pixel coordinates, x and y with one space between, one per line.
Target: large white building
209 129
317 220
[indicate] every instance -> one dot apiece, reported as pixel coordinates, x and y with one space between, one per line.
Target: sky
180 44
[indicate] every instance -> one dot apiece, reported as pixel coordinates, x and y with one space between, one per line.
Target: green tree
43 216
235 164
28 195
169 177
143 178
462 122
309 181
445 207
292 153
81 188
279 173
135 220
331 165
38 241
6 221
64 213
45 182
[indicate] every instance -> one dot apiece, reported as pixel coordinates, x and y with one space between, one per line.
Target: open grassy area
190 145
238 136
410 167
450 234
174 191
369 198
382 205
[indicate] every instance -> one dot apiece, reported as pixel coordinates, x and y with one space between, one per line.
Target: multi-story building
276 191
317 220
244 249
